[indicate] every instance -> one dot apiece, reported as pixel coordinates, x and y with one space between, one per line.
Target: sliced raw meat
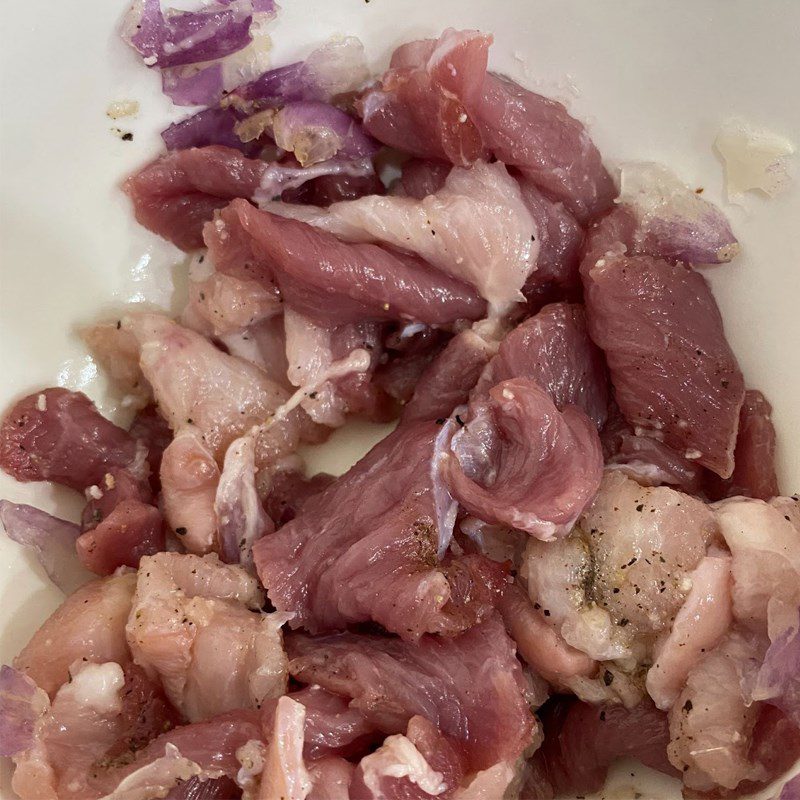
197 385
289 491
554 349
220 304
674 376
89 625
192 624
117 486
626 567
58 435
712 721
470 687
699 626
476 228
522 463
421 105
560 239
51 539
448 380
754 457
152 430
366 547
176 194
420 177
581 741
335 282
538 643
327 189
189 483
241 519
331 779
551 149
332 728
132 530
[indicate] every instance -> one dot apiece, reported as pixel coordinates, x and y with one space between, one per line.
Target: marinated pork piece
520 462
422 103
625 572
199 387
470 687
551 149
554 349
312 267
476 228
674 375
420 177
58 435
89 624
366 548
178 193
193 625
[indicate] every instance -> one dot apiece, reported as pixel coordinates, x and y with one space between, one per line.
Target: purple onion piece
790 790
210 126
778 680
18 711
187 86
51 539
189 37
316 132
332 69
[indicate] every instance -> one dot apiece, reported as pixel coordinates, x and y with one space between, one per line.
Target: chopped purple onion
18 711
210 126
181 38
332 69
791 789
188 86
778 680
316 132
51 539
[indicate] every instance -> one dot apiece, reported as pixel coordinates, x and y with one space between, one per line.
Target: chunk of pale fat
755 159
122 108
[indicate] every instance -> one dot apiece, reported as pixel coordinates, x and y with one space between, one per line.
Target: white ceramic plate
655 81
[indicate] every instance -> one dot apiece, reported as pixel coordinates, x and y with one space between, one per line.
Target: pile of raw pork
571 547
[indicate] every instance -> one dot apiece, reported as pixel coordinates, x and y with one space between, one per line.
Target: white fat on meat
196 624
284 774
398 757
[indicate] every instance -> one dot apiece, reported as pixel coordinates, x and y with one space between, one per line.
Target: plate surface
654 80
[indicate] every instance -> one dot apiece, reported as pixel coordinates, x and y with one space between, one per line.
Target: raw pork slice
192 625
520 462
58 435
674 375
132 530
470 687
554 349
476 228
754 457
421 104
178 193
335 282
420 177
88 625
366 547
551 148
582 741
198 386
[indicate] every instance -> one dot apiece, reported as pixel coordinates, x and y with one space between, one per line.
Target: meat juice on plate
571 548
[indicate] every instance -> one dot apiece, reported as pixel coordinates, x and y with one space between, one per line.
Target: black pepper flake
615 590
546 613
181 531
313 395
602 716
608 678
536 606
460 421
640 507
202 295
687 706
127 137
119 324
623 622
440 421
